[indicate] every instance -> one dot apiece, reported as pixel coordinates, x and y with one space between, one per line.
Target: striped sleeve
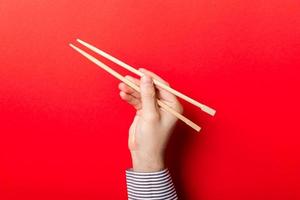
153 185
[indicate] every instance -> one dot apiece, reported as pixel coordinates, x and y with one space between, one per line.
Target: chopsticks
136 87
203 107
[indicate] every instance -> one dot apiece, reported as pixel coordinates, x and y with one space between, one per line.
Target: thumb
148 96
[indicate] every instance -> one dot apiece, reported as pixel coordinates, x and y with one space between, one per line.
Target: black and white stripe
152 185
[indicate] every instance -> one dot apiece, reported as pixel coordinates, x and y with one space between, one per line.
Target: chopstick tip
209 110
74 47
213 112
71 45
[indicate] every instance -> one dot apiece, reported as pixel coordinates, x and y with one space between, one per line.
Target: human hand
152 126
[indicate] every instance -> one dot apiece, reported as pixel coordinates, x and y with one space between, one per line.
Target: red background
63 132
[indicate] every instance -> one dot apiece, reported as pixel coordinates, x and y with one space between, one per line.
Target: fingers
135 102
128 90
162 94
148 98
130 95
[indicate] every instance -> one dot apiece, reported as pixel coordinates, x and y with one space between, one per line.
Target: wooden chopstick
135 87
203 107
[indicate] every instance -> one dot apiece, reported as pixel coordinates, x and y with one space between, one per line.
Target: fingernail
146 79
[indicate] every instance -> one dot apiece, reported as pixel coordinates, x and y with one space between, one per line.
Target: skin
151 127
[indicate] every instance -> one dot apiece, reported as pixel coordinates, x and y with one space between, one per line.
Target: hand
152 126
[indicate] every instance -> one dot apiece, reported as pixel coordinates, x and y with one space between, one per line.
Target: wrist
142 162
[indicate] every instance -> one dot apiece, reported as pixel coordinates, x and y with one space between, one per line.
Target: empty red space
63 127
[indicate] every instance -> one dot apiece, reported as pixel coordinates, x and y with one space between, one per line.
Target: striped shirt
152 185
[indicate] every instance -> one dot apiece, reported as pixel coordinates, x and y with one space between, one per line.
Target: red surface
58 112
